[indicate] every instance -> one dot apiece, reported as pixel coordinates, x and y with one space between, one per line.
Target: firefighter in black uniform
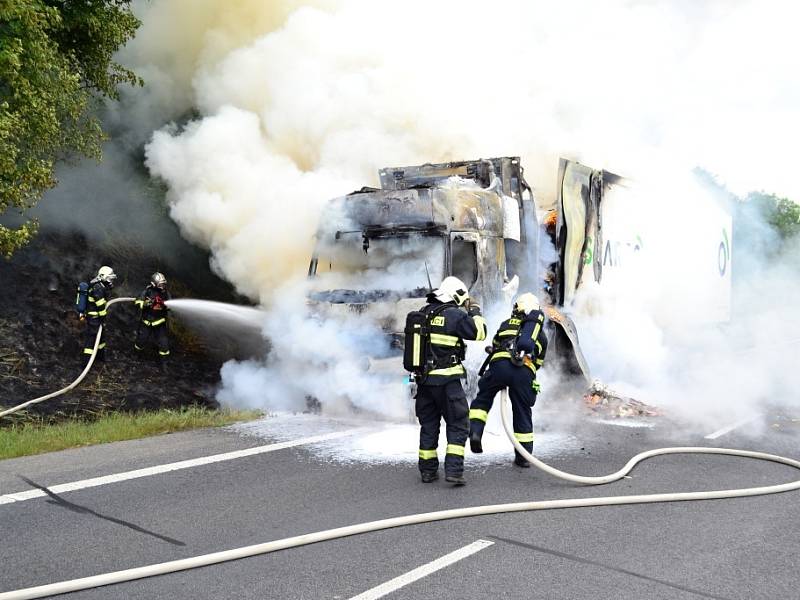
96 309
439 390
153 317
518 350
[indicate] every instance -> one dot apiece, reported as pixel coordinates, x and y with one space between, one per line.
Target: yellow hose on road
80 377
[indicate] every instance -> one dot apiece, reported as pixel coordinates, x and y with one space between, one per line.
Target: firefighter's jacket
527 336
152 304
449 327
98 296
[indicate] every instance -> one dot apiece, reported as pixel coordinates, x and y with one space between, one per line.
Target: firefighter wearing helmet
517 352
152 327
451 319
99 294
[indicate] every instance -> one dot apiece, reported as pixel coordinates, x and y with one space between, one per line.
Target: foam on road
377 442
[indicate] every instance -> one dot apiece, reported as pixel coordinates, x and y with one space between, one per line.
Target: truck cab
425 223
379 251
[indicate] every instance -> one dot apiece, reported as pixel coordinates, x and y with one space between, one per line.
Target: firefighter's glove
474 310
536 387
81 317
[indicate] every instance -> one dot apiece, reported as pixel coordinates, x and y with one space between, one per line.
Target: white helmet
526 304
452 289
106 275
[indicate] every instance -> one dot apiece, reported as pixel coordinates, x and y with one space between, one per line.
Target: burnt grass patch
41 338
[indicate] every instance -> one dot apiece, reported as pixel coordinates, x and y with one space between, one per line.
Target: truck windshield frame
373 237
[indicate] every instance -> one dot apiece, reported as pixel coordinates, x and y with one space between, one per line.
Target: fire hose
456 513
83 374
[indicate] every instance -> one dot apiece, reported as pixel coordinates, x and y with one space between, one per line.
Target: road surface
733 549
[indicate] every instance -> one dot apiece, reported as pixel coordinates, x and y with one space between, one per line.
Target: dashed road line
166 468
423 571
729 428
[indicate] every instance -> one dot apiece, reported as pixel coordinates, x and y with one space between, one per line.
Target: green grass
32 438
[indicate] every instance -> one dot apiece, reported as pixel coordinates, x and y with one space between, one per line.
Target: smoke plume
295 104
661 334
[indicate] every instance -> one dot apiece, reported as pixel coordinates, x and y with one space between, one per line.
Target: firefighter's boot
520 460
429 476
475 440
477 422
458 480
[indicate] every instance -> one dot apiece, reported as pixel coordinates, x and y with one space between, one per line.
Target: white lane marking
176 466
729 428
423 571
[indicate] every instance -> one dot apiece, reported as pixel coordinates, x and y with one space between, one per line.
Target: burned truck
380 250
435 217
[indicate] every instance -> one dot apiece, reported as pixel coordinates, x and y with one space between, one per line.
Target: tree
56 66
765 224
786 218
782 214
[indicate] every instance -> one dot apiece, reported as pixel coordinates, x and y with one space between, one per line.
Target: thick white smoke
296 104
662 334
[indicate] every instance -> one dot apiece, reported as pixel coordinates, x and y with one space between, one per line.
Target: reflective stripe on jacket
530 339
97 306
450 326
151 302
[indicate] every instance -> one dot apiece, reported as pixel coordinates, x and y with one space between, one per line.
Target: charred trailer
601 229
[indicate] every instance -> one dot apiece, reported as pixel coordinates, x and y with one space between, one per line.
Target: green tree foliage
764 225
56 64
781 213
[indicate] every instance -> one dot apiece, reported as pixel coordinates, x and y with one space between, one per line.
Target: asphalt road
735 549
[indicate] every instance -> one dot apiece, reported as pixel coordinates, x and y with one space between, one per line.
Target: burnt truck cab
378 250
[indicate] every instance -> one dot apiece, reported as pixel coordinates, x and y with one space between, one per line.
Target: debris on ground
600 400
780 421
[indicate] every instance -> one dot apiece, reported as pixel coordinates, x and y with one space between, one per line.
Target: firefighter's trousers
434 402
92 326
157 334
519 381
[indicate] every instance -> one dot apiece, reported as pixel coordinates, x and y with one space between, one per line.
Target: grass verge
32 438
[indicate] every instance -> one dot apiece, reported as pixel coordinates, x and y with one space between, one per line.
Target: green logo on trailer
723 254
588 254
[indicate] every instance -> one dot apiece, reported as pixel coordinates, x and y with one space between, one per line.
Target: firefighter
453 319
518 350
96 309
153 317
